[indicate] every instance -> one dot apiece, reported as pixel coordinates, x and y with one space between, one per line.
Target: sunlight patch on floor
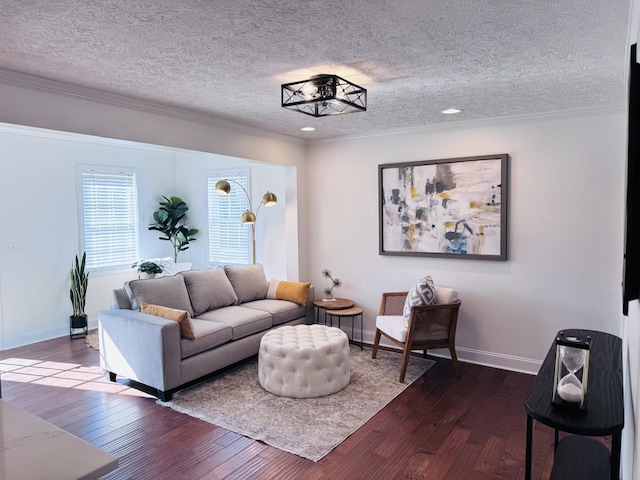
64 375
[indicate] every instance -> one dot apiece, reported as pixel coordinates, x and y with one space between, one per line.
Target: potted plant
147 268
78 294
169 220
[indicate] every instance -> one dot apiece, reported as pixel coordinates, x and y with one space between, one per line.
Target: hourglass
572 368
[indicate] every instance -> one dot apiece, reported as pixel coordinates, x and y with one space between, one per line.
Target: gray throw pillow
422 293
249 283
166 291
209 289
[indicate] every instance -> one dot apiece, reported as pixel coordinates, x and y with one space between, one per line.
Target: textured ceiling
227 58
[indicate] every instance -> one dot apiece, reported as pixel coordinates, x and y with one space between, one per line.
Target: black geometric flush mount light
323 95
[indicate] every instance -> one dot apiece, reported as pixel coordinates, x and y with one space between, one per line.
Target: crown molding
22 80
452 126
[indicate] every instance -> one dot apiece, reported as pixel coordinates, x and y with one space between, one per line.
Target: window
109 218
229 239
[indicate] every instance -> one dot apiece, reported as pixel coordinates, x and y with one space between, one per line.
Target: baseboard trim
36 336
469 355
466 355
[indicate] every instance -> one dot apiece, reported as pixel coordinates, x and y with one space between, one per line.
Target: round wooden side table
351 313
332 304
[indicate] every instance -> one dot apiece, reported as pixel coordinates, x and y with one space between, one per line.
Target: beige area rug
92 340
310 428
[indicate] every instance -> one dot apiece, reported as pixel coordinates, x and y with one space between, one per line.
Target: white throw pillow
422 293
168 267
446 295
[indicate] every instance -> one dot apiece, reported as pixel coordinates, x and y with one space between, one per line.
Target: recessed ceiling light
307 129
451 111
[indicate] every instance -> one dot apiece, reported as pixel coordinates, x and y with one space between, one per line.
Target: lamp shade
269 199
222 186
248 217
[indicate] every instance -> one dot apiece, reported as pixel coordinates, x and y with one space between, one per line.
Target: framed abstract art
453 208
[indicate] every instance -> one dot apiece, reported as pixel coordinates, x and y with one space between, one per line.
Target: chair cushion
446 295
209 289
291 291
392 325
422 293
249 282
166 291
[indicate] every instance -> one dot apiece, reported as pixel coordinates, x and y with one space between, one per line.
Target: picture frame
449 208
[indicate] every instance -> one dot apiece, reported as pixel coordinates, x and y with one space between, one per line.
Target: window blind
109 218
229 239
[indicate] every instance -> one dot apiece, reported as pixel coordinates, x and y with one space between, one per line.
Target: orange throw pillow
180 316
293 291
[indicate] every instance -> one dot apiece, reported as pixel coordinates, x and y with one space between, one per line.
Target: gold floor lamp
248 218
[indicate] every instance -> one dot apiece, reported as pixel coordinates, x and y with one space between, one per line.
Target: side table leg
527 462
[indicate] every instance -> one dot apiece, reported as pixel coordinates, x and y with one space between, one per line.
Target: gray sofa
229 310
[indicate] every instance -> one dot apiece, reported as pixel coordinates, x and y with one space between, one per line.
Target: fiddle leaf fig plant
169 220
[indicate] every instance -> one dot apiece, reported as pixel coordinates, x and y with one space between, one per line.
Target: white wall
42 235
565 229
37 172
26 100
565 215
271 243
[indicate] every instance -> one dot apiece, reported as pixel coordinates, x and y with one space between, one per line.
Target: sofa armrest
310 315
141 347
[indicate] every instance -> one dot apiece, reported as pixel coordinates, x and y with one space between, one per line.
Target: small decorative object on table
78 295
147 268
571 370
335 283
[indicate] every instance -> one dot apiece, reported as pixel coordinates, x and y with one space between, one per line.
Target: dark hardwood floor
441 427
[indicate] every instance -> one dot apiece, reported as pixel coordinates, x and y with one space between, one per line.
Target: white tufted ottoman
304 361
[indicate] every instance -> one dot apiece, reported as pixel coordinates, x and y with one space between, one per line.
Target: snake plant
79 280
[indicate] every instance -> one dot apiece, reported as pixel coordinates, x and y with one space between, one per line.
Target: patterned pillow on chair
422 293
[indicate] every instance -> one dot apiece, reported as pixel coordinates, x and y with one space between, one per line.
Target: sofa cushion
166 291
291 291
208 335
422 293
180 316
209 289
248 282
243 321
281 310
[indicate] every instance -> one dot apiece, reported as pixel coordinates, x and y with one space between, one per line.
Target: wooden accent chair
430 326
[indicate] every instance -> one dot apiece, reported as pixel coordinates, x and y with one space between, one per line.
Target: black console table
603 414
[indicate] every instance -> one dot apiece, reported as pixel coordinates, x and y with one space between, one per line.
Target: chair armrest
439 306
141 347
310 312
